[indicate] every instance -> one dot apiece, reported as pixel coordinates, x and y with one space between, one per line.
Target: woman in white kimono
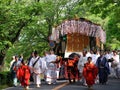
51 72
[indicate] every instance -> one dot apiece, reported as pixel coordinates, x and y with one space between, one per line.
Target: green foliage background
25 25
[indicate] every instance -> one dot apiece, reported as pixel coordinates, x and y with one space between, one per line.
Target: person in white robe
88 54
51 74
13 69
115 64
43 67
36 69
94 57
108 56
81 62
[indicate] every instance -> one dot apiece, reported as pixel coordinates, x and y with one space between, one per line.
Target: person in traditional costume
43 66
63 68
23 75
13 69
76 59
103 68
51 74
90 72
109 58
13 60
71 70
115 64
31 56
95 55
58 64
35 67
81 62
88 53
108 55
29 59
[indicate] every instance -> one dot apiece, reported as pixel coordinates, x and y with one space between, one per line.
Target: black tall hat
35 52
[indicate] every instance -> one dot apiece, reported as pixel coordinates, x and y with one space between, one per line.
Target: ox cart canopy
75 35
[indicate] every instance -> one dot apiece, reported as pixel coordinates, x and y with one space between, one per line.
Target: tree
14 17
17 17
25 25
109 11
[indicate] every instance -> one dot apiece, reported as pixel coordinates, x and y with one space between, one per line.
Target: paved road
113 84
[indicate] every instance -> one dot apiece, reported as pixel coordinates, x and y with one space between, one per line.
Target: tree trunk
3 52
2 56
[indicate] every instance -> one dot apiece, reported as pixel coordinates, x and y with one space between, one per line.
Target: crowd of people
88 68
31 69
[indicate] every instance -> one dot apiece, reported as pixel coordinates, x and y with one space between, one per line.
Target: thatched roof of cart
82 26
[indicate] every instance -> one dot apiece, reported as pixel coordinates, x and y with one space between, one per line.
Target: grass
3 86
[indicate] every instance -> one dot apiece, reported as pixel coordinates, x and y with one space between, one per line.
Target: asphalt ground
113 84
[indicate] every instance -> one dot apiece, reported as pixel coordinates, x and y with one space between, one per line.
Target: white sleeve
30 64
78 64
118 58
40 62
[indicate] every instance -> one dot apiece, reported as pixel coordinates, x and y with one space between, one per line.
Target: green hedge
5 78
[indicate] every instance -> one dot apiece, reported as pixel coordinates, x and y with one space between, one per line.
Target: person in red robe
23 75
90 72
